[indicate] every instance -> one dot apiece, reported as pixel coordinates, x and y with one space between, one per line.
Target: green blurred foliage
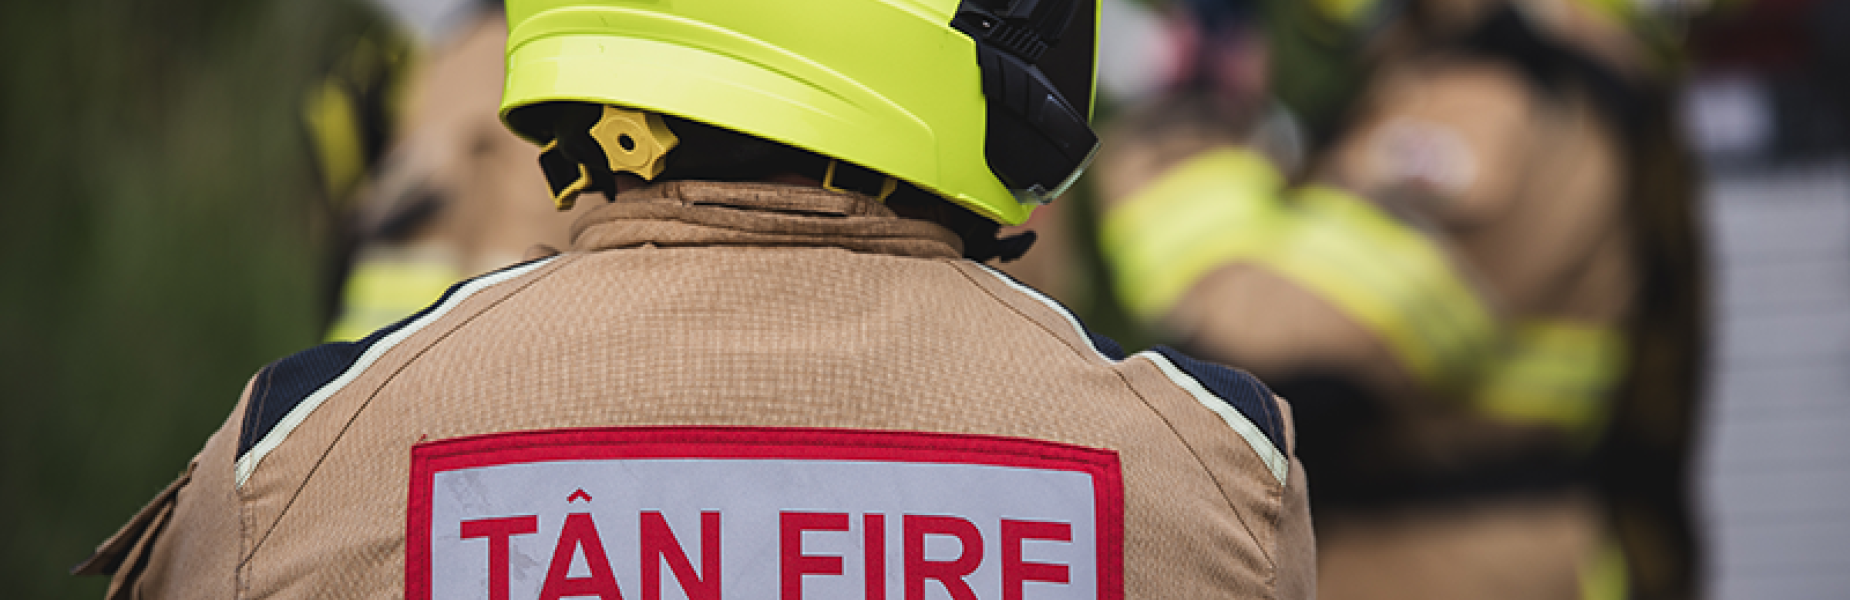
163 237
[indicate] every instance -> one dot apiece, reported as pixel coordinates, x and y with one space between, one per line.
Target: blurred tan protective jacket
1468 267
772 307
457 195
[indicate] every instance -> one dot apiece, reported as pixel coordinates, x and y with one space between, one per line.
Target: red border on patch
429 458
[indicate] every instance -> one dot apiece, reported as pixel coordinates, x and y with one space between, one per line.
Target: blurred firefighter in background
445 193
1483 295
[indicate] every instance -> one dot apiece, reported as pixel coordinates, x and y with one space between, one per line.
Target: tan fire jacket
770 390
1522 196
1465 263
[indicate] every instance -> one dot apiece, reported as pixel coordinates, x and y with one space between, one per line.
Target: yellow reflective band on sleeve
1390 278
1225 208
1605 574
383 290
1214 207
1556 372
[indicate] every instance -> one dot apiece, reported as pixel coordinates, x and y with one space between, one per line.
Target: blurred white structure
1773 470
430 20
1729 116
1130 47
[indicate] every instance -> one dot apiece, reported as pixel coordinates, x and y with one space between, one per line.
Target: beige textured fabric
1520 550
740 304
187 543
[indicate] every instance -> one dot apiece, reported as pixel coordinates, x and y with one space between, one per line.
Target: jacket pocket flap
113 552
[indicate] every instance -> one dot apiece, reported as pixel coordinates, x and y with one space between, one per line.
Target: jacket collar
704 213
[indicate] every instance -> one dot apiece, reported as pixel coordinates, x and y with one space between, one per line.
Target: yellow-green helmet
983 102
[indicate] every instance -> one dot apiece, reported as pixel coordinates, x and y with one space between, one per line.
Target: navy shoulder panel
1238 389
284 384
1106 346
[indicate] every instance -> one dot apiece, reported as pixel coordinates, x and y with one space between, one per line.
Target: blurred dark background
163 233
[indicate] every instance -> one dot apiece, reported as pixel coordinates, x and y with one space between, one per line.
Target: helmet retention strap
567 196
623 140
887 187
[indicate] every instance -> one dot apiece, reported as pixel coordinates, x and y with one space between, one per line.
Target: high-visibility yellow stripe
1392 279
1220 204
1605 574
334 130
1556 372
383 290
1225 207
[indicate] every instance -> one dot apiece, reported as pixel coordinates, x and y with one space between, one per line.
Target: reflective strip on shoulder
1110 352
1274 459
274 437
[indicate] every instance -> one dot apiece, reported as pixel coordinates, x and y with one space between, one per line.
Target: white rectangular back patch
732 512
